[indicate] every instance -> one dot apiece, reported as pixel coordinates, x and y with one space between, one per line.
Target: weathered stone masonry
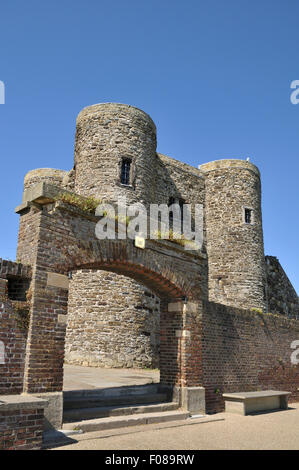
215 334
112 321
281 295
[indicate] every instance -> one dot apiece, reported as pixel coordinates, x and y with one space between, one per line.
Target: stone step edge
123 410
139 400
125 390
115 422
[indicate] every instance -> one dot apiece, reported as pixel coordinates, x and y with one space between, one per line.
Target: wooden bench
251 402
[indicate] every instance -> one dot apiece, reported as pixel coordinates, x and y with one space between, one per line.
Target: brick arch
158 284
169 273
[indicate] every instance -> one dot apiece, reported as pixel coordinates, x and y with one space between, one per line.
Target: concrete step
79 414
95 401
114 422
126 390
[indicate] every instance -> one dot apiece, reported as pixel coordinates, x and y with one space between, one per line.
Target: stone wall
282 297
246 351
113 321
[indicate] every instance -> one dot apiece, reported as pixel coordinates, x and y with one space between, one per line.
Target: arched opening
113 322
170 273
112 343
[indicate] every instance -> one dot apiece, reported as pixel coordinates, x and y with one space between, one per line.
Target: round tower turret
234 233
115 153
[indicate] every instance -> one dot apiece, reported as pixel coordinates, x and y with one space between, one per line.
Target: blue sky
214 75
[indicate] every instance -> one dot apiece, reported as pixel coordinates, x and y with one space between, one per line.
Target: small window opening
17 288
125 171
248 216
181 203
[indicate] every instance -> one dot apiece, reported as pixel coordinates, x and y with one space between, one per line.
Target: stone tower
111 138
234 234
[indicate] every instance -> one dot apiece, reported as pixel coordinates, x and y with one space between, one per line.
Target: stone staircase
110 408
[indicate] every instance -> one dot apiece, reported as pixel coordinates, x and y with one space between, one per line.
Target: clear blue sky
214 75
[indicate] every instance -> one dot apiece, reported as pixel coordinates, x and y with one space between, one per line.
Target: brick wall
21 423
14 317
246 351
13 341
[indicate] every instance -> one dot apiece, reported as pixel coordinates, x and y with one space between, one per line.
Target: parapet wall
39 175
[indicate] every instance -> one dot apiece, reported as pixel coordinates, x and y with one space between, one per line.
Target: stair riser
93 402
77 415
116 392
89 427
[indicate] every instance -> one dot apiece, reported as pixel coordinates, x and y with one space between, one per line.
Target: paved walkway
86 378
274 431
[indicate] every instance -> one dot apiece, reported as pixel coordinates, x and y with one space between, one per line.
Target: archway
65 242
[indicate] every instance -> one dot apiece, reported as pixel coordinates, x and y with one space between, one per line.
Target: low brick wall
246 351
21 422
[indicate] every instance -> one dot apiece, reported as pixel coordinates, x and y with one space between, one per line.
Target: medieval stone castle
220 318
113 320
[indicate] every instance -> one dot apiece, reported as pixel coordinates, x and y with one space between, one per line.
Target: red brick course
21 429
14 340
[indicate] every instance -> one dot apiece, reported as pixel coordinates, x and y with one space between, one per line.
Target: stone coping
18 402
44 173
229 163
261 394
113 108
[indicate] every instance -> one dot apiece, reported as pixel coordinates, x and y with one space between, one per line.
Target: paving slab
87 378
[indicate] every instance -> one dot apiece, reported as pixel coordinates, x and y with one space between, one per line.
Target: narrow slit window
125 171
171 201
248 216
181 203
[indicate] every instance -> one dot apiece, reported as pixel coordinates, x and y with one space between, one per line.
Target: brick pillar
170 354
181 353
45 347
